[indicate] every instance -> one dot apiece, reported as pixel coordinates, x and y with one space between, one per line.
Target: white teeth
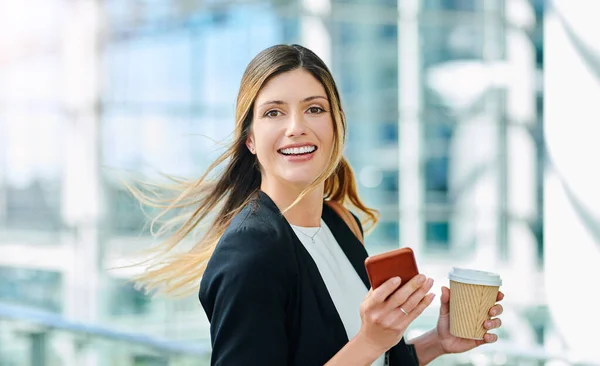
298 150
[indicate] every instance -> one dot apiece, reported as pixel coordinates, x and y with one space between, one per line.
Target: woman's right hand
383 321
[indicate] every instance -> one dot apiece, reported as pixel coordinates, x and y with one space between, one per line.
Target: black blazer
265 299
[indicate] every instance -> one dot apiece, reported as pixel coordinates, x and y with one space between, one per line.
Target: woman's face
292 131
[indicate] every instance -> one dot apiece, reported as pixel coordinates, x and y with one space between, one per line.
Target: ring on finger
404 311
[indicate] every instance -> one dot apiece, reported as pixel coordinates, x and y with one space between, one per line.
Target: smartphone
398 262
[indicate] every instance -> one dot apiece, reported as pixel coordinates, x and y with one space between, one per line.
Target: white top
343 282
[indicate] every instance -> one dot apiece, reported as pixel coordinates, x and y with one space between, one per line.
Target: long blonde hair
194 202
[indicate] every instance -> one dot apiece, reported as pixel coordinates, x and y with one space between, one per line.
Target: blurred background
448 136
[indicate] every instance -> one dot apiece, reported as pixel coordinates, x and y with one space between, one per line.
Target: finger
385 290
399 317
496 310
403 293
500 296
492 324
490 338
445 301
368 296
415 298
425 302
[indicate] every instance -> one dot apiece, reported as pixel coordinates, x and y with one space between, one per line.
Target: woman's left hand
452 344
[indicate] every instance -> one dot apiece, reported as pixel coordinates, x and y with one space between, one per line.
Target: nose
296 125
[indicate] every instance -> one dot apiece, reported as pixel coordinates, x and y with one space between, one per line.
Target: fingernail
421 279
396 280
494 312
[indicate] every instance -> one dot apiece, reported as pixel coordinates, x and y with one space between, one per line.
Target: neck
307 212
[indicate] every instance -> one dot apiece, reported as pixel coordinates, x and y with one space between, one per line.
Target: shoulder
255 229
255 240
252 257
337 209
358 222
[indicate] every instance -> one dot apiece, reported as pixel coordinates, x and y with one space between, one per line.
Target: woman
283 280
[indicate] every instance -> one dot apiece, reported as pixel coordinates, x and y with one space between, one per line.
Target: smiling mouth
296 151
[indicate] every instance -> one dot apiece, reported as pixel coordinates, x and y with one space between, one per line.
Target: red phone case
398 262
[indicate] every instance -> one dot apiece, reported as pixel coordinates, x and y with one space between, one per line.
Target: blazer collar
349 243
351 246
264 199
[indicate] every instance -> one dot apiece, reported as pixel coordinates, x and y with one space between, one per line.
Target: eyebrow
307 99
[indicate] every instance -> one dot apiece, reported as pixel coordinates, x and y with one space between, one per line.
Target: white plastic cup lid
474 277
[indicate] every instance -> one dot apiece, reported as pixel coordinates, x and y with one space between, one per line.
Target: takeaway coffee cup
472 294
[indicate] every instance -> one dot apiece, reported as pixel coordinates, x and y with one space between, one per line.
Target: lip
298 158
297 145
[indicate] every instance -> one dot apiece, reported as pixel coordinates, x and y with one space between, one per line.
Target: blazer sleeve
403 354
244 292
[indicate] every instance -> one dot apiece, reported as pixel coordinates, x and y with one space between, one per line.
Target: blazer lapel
352 247
349 243
322 296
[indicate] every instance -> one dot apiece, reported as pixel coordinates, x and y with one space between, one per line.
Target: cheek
264 138
326 133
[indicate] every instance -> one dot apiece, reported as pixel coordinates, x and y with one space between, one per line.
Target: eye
273 113
315 110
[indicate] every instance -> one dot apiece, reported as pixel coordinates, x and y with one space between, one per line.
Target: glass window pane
32 288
